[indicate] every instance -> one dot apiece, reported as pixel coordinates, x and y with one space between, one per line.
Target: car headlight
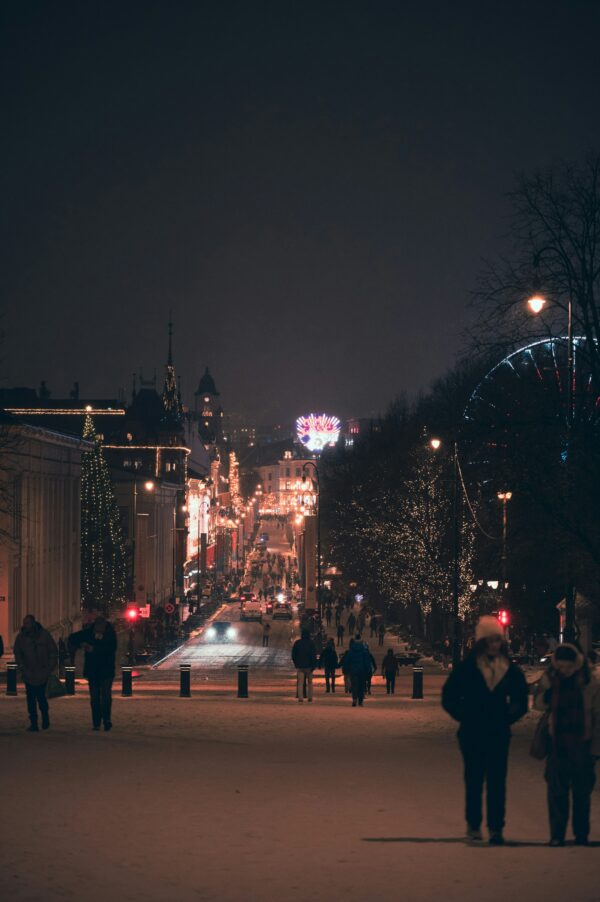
231 633
281 597
211 632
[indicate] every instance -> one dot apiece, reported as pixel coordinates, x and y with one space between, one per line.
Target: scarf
493 670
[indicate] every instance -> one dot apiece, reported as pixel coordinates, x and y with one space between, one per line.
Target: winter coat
482 711
591 705
329 658
389 665
304 654
36 655
100 659
358 659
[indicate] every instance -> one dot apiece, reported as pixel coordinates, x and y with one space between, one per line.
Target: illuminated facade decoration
317 431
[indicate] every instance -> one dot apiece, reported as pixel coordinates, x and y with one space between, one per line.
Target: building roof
207 385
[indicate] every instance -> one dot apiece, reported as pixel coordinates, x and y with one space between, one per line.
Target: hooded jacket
358 659
480 709
591 700
36 655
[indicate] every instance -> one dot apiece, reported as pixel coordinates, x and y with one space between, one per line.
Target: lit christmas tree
103 555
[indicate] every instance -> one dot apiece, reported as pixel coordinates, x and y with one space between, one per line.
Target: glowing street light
435 443
149 486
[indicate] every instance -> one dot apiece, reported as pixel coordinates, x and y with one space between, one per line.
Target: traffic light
504 618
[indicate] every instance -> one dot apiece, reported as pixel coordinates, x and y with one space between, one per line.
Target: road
203 654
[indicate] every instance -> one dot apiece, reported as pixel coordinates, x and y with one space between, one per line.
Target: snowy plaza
221 798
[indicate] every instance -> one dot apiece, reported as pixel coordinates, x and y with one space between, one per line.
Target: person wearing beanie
571 696
486 693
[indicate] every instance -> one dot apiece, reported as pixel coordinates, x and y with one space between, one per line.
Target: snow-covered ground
215 798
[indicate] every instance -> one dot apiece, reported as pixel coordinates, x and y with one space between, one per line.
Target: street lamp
305 467
504 497
436 444
536 304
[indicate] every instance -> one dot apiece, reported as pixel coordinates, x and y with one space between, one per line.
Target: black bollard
243 681
127 677
11 679
185 680
417 682
70 680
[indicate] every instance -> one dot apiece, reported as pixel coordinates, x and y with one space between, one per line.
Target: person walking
446 653
373 625
371 671
486 694
329 662
266 633
359 666
338 614
36 656
570 695
340 634
381 631
344 663
328 615
351 623
304 656
390 669
99 642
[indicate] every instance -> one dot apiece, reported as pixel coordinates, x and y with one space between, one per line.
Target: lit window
126 463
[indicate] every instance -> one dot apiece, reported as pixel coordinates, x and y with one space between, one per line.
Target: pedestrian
328 615
345 666
381 631
99 642
390 669
373 625
486 694
36 656
266 633
338 614
340 634
351 622
359 666
329 662
371 672
446 652
570 695
304 656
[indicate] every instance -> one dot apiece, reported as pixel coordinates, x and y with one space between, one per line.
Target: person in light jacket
571 696
36 655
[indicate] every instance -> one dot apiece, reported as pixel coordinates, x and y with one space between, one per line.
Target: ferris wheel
523 400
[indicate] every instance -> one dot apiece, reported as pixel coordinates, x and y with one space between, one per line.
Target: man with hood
571 696
486 693
358 662
36 655
304 656
99 641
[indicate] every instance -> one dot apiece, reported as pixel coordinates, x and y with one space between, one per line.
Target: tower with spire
171 396
208 410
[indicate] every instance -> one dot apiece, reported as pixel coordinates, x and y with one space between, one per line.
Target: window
287 471
127 462
298 473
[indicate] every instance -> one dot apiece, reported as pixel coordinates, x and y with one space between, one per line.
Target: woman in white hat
486 694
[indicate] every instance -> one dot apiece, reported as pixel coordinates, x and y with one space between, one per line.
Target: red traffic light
132 614
504 617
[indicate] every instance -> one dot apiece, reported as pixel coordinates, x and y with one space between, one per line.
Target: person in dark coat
389 669
571 696
381 631
373 625
36 655
99 641
329 662
351 622
486 694
304 656
358 662
373 670
340 634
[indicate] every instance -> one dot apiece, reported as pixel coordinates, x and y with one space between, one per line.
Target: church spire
171 397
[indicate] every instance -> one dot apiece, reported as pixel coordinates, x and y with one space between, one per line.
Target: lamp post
305 467
149 487
504 497
536 303
436 444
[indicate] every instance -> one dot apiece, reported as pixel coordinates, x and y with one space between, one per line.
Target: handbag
540 744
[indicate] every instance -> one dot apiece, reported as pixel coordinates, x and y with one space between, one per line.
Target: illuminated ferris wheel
524 400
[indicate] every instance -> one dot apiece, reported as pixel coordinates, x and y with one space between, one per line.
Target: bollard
127 677
11 679
417 682
243 681
185 681
70 680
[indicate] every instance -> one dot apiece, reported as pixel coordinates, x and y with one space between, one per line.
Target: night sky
309 186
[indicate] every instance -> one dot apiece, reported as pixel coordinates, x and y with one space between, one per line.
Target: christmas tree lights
103 554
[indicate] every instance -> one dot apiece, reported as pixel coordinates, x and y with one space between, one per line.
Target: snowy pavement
215 798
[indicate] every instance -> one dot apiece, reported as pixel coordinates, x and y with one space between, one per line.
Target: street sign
169 608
